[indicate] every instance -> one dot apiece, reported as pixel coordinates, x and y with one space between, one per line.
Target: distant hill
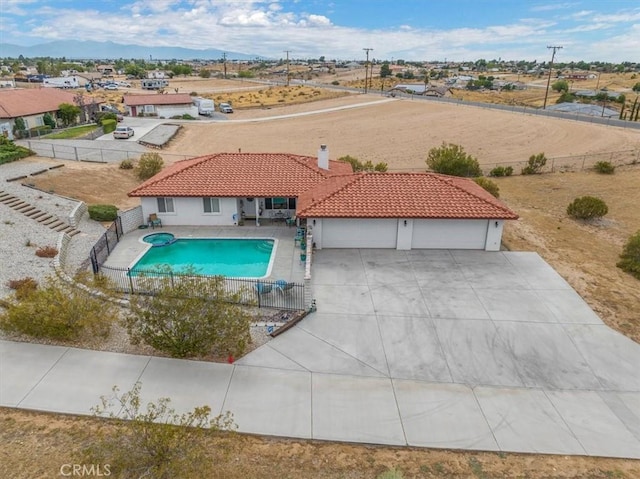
90 50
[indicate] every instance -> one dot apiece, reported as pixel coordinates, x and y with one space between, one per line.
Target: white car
111 86
225 108
123 132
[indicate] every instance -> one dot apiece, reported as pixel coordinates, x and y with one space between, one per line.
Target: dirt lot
400 133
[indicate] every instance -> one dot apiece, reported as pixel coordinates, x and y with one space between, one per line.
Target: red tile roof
33 101
157 99
240 175
400 195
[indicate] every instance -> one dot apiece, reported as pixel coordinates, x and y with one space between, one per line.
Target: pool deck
286 264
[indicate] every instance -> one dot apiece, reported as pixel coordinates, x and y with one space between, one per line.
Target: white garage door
364 233
449 234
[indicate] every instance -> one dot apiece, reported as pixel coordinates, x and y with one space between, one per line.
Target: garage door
369 233
449 234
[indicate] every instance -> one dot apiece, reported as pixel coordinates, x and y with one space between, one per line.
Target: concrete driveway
449 349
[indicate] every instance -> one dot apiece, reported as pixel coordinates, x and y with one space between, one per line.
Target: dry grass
36 445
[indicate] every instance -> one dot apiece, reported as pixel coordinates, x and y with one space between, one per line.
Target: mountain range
91 50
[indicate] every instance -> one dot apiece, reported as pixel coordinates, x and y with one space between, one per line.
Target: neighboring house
32 104
343 209
157 75
161 105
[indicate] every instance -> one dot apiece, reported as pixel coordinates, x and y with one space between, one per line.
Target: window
149 109
211 205
279 203
165 205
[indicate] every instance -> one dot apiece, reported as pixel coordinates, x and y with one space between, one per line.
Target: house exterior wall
190 212
168 111
494 235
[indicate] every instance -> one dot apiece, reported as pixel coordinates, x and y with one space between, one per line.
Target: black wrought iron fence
279 294
102 249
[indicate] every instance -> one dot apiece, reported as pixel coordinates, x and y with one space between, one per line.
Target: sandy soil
401 132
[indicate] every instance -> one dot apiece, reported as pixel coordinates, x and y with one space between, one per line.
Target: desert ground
401 133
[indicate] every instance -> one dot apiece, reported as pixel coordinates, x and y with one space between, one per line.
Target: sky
444 30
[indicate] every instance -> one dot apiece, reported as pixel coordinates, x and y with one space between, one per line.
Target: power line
366 69
546 93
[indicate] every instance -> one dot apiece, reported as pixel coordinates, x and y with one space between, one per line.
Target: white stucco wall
190 212
167 111
405 234
494 235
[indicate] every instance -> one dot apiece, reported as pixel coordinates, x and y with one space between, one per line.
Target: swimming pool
232 257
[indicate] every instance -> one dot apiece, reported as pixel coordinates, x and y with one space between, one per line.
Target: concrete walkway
446 349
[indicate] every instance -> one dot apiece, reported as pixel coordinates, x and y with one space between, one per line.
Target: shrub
57 312
335 82
450 159
126 165
357 165
103 212
9 151
630 257
49 120
488 185
604 167
587 207
150 164
153 440
186 116
23 287
501 171
46 252
535 164
210 320
109 125
102 116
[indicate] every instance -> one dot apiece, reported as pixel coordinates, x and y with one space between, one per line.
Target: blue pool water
232 257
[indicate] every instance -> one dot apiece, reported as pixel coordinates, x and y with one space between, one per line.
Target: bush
154 441
501 171
535 164
488 185
335 82
604 167
450 159
49 120
102 116
46 252
23 287
587 207
126 165
103 212
109 125
357 165
150 164
57 312
186 116
209 318
630 257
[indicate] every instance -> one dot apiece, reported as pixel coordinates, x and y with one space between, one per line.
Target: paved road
450 349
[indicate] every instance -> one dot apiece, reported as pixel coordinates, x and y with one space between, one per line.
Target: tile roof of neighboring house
240 175
32 101
157 99
400 195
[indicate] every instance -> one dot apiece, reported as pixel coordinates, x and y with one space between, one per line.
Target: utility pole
287 52
546 93
366 69
224 64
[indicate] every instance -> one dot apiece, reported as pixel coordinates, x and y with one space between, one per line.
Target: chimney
323 157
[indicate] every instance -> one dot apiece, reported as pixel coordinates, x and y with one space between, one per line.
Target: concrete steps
42 217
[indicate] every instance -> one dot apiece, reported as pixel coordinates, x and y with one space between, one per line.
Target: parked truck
205 106
153 84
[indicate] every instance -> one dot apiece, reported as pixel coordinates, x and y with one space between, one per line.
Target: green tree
535 164
19 126
385 70
488 185
636 87
189 316
152 441
57 311
560 86
358 166
630 257
566 97
49 120
450 159
150 164
68 113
